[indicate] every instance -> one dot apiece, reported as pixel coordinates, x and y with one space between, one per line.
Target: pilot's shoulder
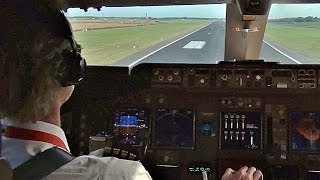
92 167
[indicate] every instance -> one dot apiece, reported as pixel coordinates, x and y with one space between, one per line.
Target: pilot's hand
243 173
114 152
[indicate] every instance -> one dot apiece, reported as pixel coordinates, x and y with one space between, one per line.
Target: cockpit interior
227 92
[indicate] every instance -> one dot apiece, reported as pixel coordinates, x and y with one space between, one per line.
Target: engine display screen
174 128
305 131
240 130
128 121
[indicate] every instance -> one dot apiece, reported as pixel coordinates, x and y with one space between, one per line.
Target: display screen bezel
174 147
221 135
290 133
117 136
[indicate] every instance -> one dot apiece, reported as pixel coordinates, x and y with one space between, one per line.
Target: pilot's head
38 64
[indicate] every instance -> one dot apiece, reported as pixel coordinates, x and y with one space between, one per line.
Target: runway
206 46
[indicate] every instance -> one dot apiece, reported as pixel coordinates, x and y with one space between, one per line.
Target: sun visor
98 4
248 7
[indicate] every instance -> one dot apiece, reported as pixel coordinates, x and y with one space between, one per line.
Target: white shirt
18 151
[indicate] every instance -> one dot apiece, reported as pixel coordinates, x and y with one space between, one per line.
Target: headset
37 15
73 67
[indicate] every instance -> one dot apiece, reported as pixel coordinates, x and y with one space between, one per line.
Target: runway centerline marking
195 45
291 58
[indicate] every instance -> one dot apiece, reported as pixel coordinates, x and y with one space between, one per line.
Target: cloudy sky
208 11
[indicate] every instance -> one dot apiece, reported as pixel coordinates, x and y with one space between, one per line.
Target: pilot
34 56
35 79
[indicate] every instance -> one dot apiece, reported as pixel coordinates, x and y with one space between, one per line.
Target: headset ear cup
82 67
73 69
74 66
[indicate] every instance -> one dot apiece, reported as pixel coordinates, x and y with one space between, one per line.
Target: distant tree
299 19
308 19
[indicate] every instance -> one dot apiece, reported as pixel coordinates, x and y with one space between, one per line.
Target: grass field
81 24
301 37
105 46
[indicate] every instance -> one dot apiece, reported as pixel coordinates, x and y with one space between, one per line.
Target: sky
197 11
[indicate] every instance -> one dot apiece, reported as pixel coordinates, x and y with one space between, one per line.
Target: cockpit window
190 34
158 34
293 34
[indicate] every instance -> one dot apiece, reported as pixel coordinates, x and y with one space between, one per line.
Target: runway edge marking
291 58
140 59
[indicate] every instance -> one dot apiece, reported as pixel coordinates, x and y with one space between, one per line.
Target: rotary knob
161 78
156 71
240 104
160 100
224 77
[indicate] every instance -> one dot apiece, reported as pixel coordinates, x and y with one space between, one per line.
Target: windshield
293 34
189 34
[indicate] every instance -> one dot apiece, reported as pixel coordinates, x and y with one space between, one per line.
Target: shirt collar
39 126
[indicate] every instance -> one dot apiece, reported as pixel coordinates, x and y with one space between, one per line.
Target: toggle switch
231 135
242 135
237 123
231 123
242 123
225 135
225 123
251 138
237 135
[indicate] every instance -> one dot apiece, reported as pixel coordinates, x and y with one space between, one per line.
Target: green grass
108 45
301 37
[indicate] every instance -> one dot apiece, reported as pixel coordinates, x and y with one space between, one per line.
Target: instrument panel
188 119
301 78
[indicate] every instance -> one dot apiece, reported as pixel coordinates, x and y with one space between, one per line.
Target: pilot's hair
29 59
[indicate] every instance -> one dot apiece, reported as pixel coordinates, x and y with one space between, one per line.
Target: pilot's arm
139 172
92 167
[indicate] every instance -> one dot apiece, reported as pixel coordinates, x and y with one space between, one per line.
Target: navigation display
174 128
305 131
